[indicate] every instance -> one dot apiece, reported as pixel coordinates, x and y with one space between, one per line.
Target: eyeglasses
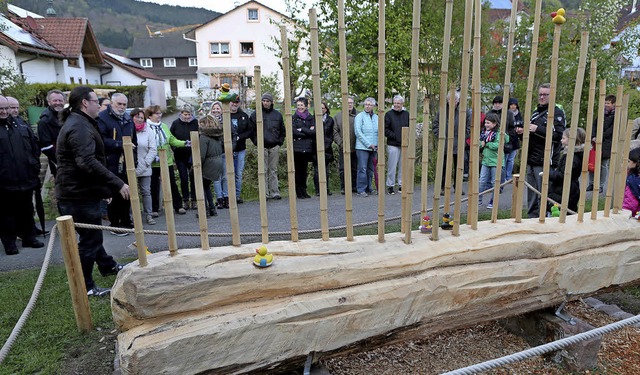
543 95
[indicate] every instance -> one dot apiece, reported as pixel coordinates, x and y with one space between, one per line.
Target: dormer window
146 63
193 61
252 14
169 62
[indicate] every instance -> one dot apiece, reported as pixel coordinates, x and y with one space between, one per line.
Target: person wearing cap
273 133
181 128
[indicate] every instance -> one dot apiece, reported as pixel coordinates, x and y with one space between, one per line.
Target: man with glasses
49 126
113 124
537 134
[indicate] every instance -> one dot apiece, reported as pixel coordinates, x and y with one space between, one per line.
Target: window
80 80
73 80
146 63
219 48
188 84
193 61
73 63
248 81
246 48
169 62
252 14
228 80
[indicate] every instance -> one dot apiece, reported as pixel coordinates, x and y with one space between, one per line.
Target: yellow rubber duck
557 17
263 258
425 226
447 222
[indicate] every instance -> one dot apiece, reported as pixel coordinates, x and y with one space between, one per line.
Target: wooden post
262 176
168 201
231 175
381 107
462 120
596 173
405 165
424 181
614 150
575 118
317 108
584 180
621 183
524 151
74 273
135 200
288 126
474 162
514 197
450 126
624 141
444 77
557 31
199 186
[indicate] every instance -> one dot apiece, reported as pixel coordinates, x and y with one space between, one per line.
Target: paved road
364 210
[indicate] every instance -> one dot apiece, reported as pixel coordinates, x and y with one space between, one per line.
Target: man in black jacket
84 180
49 126
274 132
239 123
607 135
394 120
115 123
181 128
19 168
537 132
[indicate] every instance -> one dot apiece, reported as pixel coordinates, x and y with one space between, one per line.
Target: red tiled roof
66 34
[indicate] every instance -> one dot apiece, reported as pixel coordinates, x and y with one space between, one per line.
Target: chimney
50 11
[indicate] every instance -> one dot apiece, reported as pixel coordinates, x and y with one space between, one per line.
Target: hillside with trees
117 22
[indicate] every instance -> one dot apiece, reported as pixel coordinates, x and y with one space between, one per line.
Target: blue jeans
365 170
90 245
220 185
238 168
507 168
487 178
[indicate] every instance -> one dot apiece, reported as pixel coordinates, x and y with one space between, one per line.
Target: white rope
542 349
32 301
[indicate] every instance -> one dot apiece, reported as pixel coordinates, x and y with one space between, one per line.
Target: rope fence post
199 187
135 201
168 202
74 273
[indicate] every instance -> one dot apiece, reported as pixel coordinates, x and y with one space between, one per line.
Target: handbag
592 159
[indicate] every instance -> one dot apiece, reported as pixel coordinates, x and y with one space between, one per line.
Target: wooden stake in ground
74 273
262 179
444 77
288 126
450 130
381 146
524 151
168 202
405 222
135 200
575 118
614 150
625 134
462 122
346 135
474 162
231 175
199 186
317 108
584 179
596 172
424 181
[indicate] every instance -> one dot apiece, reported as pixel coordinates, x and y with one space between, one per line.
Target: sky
223 6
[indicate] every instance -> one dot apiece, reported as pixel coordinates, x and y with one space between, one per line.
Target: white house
126 72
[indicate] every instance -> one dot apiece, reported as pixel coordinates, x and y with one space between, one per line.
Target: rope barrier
542 349
548 199
32 301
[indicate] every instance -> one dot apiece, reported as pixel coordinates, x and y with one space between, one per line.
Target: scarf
161 137
303 115
140 127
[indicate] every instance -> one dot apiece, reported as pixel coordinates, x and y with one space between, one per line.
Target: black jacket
328 125
607 133
394 121
272 125
182 130
303 138
556 178
19 157
436 127
537 139
82 166
48 129
243 131
112 128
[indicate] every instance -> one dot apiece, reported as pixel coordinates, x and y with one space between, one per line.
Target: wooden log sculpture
215 312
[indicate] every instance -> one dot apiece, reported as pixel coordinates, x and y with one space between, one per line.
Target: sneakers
390 190
119 234
277 197
33 243
113 271
155 214
239 201
590 188
98 292
181 211
150 220
399 188
490 206
363 194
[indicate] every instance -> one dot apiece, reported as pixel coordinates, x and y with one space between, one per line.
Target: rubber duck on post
557 17
226 95
425 225
263 258
555 210
447 222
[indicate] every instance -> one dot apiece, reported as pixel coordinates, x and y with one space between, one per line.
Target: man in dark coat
394 120
49 126
181 128
274 132
19 169
607 136
338 135
537 133
84 180
115 123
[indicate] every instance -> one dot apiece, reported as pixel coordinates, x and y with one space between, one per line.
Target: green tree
12 83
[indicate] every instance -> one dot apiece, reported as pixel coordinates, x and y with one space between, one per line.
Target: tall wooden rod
524 152
262 176
405 223
542 206
584 177
623 154
381 107
575 119
614 150
444 78
291 170
168 201
346 132
424 181
231 175
196 156
132 179
602 92
75 277
621 182
450 129
474 159
317 108
462 122
505 110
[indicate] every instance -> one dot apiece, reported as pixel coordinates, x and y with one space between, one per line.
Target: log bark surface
214 311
